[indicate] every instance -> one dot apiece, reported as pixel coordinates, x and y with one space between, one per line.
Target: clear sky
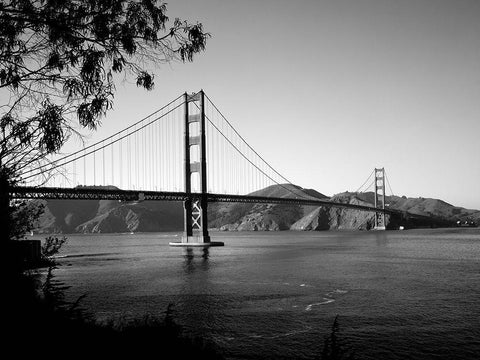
326 90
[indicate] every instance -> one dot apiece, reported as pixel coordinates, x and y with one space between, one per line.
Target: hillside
108 216
271 217
427 207
148 216
439 212
334 218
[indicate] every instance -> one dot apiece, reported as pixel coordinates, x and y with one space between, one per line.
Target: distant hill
434 207
335 218
108 216
306 218
253 217
427 207
439 213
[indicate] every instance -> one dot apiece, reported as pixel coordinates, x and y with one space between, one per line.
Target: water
407 294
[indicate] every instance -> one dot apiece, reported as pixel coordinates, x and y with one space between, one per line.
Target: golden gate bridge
185 151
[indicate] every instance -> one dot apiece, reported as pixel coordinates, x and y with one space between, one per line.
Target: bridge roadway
88 193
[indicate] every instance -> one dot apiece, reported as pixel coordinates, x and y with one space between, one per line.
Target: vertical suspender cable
224 168
158 160
152 155
84 169
75 173
120 163
169 145
159 154
94 167
155 160
112 164
162 154
129 162
175 150
137 159
148 158
103 163
144 146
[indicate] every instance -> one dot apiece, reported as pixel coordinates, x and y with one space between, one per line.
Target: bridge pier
195 233
195 207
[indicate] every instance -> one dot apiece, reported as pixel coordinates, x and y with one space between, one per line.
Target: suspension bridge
186 151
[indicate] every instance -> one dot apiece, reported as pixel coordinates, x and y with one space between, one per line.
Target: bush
52 246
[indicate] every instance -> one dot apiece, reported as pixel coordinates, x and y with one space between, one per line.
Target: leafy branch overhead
58 59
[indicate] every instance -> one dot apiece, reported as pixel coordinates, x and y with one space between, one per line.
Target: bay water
412 294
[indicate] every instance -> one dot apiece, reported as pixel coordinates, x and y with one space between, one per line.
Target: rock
318 219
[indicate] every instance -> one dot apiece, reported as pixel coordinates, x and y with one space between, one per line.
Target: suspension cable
260 157
238 151
388 183
107 138
110 143
365 181
246 143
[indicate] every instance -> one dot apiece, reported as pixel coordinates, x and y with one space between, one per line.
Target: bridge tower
380 199
196 204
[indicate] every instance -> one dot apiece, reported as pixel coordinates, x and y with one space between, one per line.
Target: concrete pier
197 244
196 240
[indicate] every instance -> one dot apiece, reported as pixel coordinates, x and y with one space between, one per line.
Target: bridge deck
85 193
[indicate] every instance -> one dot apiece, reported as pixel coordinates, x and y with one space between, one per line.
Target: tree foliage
23 215
334 346
59 60
52 246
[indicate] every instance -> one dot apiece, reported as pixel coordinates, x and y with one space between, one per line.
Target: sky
327 90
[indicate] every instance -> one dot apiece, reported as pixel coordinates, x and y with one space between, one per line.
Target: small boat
466 223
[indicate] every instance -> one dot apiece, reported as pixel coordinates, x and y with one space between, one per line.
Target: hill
335 218
439 213
253 217
108 216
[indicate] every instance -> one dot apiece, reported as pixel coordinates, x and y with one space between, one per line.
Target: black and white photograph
239 180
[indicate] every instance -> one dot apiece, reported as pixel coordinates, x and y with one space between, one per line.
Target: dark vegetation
37 319
335 346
